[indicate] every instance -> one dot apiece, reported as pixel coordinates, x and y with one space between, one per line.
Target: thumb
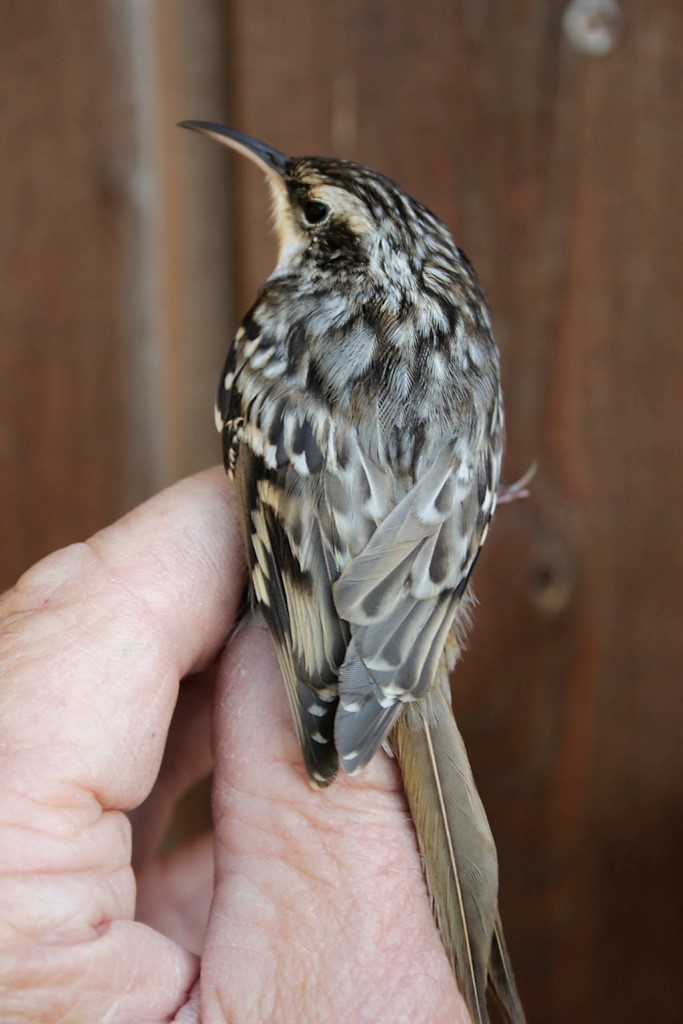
320 897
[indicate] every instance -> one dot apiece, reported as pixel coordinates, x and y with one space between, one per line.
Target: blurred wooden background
128 249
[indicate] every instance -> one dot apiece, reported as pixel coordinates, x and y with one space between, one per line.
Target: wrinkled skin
303 905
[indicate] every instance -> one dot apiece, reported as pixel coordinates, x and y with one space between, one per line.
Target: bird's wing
273 445
401 593
291 582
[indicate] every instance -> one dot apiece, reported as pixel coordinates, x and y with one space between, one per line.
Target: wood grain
114 287
61 445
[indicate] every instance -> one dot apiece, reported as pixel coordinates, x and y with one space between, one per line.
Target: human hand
303 905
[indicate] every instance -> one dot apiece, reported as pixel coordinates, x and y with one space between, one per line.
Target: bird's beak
268 159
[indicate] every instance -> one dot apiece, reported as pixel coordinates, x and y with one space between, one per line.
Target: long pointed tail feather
458 852
502 980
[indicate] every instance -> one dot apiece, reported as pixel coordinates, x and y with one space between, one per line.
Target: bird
362 423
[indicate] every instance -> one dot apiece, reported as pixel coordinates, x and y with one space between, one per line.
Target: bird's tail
458 852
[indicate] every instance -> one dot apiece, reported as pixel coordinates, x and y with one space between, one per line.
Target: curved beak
268 159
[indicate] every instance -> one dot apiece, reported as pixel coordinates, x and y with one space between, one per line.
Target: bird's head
340 217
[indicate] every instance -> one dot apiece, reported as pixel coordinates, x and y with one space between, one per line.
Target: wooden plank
113 257
61 355
195 244
559 176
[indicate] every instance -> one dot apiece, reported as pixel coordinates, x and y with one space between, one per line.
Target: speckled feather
362 422
372 509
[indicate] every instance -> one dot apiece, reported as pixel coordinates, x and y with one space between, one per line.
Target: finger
95 638
93 642
128 974
320 897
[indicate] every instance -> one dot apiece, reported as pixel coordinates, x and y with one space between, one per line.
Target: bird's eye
315 212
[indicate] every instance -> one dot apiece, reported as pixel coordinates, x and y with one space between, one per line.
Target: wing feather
291 584
400 595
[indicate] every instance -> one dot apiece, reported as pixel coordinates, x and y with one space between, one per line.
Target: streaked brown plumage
362 422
